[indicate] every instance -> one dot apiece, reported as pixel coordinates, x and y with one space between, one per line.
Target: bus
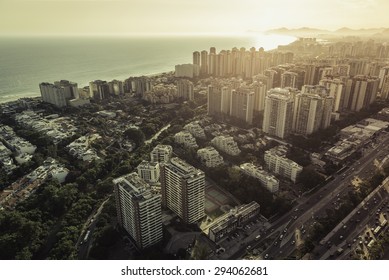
86 236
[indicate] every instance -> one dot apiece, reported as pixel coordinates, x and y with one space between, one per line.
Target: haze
65 17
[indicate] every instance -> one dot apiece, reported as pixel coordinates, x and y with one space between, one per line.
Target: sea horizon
28 61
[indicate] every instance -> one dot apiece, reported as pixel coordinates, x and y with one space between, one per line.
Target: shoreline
8 97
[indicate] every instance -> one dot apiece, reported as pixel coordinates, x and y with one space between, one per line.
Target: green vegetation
45 226
309 178
247 189
346 205
315 141
135 135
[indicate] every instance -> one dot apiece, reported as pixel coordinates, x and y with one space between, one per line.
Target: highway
288 231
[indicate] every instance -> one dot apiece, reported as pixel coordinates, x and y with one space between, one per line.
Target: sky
144 17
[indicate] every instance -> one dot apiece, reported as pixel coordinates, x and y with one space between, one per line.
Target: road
90 225
289 230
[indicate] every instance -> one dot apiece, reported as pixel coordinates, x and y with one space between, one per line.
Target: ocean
26 62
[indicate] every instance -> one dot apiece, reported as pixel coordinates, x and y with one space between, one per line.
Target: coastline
14 97
257 40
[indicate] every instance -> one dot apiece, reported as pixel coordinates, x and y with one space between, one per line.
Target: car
303 231
248 247
344 226
266 256
258 236
281 236
293 242
275 243
341 237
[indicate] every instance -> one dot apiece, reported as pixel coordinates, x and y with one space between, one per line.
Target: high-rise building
214 97
204 63
183 190
385 88
312 110
187 70
212 64
259 96
312 74
278 113
59 93
226 92
98 89
138 210
138 85
116 87
384 71
336 91
242 105
70 88
53 94
361 92
196 58
161 153
185 89
341 70
289 79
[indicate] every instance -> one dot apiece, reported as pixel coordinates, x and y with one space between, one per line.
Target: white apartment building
138 210
226 144
336 89
269 181
278 113
161 153
277 163
312 110
186 139
183 190
210 157
54 94
149 171
195 129
185 89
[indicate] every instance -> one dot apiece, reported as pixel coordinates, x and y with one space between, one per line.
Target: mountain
344 31
303 31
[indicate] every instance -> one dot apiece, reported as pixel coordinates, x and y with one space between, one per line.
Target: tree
135 135
309 178
149 129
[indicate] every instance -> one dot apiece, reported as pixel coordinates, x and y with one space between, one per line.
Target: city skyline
151 17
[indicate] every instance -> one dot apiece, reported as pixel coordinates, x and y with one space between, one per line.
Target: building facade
161 153
149 171
210 157
267 180
138 210
278 113
277 162
183 190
